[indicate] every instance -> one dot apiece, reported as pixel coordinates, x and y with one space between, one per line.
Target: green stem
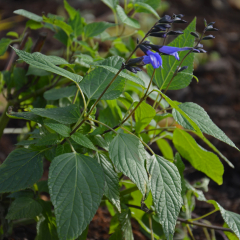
190 232
195 219
150 226
4 119
116 21
103 124
128 191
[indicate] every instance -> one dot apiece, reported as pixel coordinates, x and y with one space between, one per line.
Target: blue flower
152 58
174 50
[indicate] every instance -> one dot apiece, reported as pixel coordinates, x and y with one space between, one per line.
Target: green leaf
165 186
128 155
77 24
176 106
69 114
153 3
201 118
34 25
95 28
146 7
143 116
25 115
111 3
12 34
163 75
201 159
23 207
111 189
71 11
231 236
59 23
125 19
82 140
99 141
37 72
107 64
29 15
22 168
96 81
165 148
58 93
160 117
76 185
19 77
232 219
4 42
39 60
58 127
49 139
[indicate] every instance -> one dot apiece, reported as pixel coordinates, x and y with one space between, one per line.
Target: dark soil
218 92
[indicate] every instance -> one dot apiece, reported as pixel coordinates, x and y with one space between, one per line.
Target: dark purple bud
211 28
158 34
194 34
202 51
208 37
163 25
179 21
182 68
174 33
211 23
133 69
179 15
144 48
135 61
165 19
153 47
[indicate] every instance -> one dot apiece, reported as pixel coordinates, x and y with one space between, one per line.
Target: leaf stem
190 232
150 226
195 219
103 124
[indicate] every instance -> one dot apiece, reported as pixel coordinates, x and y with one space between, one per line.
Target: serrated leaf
163 75
96 81
143 116
82 140
165 184
201 159
29 15
76 185
111 189
125 19
95 28
49 139
25 115
176 106
23 207
111 3
128 155
39 60
232 219
22 168
69 114
146 7
99 141
58 128
55 94
4 42
201 118
77 24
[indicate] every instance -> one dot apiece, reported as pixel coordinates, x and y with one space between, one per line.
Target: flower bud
174 33
208 37
158 34
182 68
165 19
194 34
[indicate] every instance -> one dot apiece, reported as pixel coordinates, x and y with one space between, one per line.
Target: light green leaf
153 3
12 34
33 24
232 219
82 140
111 189
201 118
69 114
76 185
4 42
39 60
22 168
77 24
165 184
58 127
201 159
95 28
165 148
25 115
231 236
176 106
23 207
146 7
111 3
58 93
128 155
163 75
71 11
96 81
59 23
159 117
143 116
29 15
125 19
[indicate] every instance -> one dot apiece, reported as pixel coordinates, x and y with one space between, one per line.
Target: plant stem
116 21
128 191
84 101
195 219
150 226
190 232
4 120
103 124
